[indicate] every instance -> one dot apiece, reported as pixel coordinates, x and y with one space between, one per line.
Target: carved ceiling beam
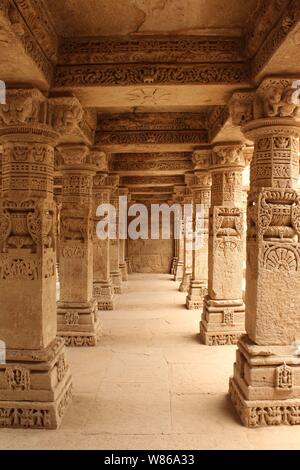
150 49
273 23
151 140
157 74
26 23
152 121
149 181
35 14
217 118
135 164
152 190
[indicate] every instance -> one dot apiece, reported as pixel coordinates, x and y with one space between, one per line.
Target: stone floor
150 384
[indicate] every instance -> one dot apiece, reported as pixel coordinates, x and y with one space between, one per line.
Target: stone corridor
150 384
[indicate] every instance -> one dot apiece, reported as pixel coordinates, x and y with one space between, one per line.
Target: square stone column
265 389
178 195
187 242
198 285
122 241
103 288
35 380
77 310
115 271
223 318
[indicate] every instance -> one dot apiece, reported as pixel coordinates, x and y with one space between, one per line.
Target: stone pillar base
117 282
124 272
265 389
35 387
178 271
223 321
129 265
79 323
104 294
173 266
185 283
197 292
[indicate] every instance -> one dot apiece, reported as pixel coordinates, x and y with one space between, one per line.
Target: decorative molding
152 121
216 120
152 137
152 180
277 35
260 23
35 14
158 74
151 162
18 26
150 49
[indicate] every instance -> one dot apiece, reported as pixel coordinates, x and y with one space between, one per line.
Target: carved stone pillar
78 321
187 247
175 257
201 195
122 241
223 318
35 382
178 267
265 389
103 287
115 271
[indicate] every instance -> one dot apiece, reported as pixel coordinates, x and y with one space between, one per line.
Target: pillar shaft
35 383
115 271
122 241
78 320
103 288
265 387
178 195
198 284
187 248
223 316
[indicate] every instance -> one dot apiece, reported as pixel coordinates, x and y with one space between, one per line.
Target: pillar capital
201 159
25 117
276 97
71 120
228 156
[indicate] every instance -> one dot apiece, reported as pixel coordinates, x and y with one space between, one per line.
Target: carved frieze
29 28
152 137
151 121
216 120
150 49
137 74
274 38
152 180
260 23
151 162
35 14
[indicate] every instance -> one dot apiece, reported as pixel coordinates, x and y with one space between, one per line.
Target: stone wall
151 256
